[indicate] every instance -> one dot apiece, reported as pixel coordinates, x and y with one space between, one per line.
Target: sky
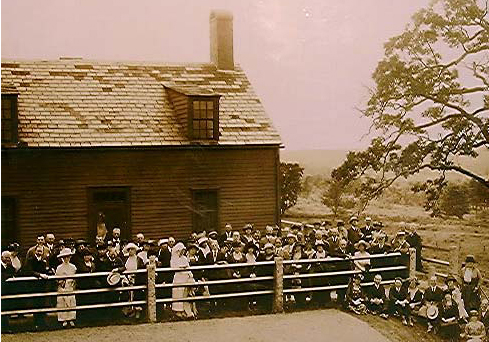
310 61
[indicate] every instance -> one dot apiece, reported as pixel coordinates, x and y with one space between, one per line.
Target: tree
478 194
430 101
291 176
336 197
454 201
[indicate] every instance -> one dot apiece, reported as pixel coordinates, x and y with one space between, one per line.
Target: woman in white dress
179 260
66 318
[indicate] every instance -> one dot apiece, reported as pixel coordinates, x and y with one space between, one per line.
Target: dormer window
204 118
9 119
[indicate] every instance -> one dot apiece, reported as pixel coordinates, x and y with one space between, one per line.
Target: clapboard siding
51 187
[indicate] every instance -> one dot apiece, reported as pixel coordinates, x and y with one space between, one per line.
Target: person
449 318
86 283
37 266
475 330
182 310
433 296
7 288
345 265
484 313
116 239
14 248
367 230
204 247
77 258
40 242
355 297
414 297
247 236
398 302
354 234
415 241
454 290
132 263
139 241
471 278
228 232
362 265
66 318
236 256
50 240
333 241
376 298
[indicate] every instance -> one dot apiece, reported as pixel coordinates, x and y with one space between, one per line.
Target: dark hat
61 242
415 279
14 246
295 226
474 313
470 258
80 242
450 277
102 247
213 233
250 245
340 223
398 278
248 226
85 252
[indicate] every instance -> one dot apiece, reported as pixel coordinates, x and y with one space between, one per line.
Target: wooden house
161 149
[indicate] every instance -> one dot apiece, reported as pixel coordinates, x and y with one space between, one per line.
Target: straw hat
113 278
65 252
129 246
432 312
362 242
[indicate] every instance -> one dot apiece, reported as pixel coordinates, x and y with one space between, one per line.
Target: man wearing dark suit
7 272
227 234
398 302
354 234
377 300
367 230
415 242
345 265
433 295
37 266
333 242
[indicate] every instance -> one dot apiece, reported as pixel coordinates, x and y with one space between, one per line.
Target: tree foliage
454 201
430 101
337 197
291 176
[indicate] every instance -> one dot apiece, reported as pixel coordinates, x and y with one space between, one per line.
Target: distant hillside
322 162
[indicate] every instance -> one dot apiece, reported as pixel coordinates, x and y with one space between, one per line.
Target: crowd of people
446 310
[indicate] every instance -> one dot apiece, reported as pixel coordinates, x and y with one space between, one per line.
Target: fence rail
274 276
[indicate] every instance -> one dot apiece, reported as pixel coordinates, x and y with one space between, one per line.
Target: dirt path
309 326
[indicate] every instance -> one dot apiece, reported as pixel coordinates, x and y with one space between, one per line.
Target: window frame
215 118
15 221
193 192
92 208
14 119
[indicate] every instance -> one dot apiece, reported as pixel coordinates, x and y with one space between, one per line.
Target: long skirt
66 302
187 309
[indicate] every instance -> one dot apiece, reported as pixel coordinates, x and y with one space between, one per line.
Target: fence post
151 291
453 258
412 262
278 286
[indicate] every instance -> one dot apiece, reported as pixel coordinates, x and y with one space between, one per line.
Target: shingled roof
79 103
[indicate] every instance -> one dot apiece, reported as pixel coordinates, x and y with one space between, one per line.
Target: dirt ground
310 326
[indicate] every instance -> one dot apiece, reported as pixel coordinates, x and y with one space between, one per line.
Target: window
9 118
204 118
109 207
9 220
205 210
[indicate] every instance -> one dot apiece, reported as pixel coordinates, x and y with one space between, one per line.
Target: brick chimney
221 25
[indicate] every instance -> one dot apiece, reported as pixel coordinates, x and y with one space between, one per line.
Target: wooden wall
51 187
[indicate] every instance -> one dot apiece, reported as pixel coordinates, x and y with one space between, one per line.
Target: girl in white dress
66 318
179 260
